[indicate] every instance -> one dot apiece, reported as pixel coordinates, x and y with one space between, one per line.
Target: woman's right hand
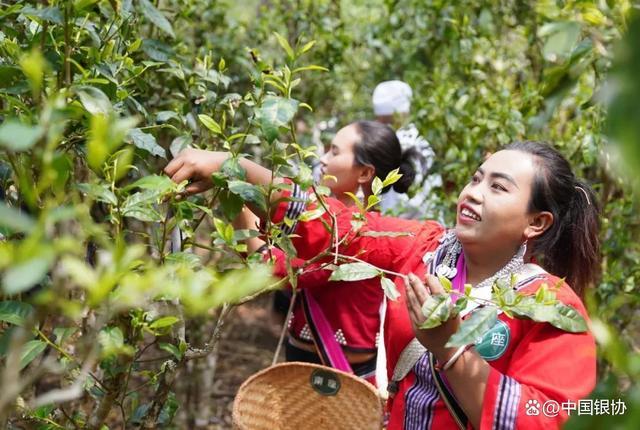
196 166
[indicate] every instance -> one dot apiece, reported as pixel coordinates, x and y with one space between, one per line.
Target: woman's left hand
434 339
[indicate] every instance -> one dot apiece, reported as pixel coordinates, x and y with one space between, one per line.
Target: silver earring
360 193
522 251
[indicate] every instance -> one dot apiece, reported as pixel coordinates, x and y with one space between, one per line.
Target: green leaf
163 322
146 141
354 272
171 349
94 100
141 206
179 144
15 220
306 47
159 183
311 67
111 340
30 351
51 14
557 314
99 192
372 200
389 288
249 193
446 283
285 45
274 113
230 203
15 312
64 333
436 310
472 328
232 169
210 123
16 136
156 17
568 319
562 37
376 186
392 177
22 276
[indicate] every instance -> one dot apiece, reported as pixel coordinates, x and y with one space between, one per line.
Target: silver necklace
447 267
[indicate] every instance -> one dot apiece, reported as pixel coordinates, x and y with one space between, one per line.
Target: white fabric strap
382 380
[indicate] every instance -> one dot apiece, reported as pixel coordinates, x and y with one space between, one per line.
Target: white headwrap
390 97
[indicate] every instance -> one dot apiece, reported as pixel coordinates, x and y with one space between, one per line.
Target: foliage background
102 93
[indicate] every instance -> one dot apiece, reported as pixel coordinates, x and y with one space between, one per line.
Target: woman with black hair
359 152
522 202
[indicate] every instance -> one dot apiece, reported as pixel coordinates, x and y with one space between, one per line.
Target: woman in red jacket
359 152
522 202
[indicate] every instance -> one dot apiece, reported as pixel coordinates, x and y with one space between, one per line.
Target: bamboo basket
298 396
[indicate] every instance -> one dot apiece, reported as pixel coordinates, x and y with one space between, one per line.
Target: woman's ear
538 224
367 173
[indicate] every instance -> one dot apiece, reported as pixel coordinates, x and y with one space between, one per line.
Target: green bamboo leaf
389 288
30 351
156 17
436 310
354 272
15 312
474 327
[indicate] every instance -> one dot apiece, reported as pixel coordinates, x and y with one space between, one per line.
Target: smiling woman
512 210
360 152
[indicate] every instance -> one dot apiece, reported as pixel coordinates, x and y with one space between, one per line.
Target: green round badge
325 382
494 342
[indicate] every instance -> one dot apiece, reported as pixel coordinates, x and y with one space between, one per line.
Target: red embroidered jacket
538 365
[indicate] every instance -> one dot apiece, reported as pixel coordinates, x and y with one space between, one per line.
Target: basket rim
353 378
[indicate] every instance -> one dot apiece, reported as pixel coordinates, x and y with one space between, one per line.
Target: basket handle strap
329 349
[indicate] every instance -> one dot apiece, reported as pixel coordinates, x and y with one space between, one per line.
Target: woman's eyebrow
500 175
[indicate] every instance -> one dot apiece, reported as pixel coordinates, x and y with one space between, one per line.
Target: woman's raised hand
196 166
434 339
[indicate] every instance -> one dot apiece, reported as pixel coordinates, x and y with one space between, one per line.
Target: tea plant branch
195 353
75 390
285 327
67 44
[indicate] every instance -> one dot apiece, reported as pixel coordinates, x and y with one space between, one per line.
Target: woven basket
300 396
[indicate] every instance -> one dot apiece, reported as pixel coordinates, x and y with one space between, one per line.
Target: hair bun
408 170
